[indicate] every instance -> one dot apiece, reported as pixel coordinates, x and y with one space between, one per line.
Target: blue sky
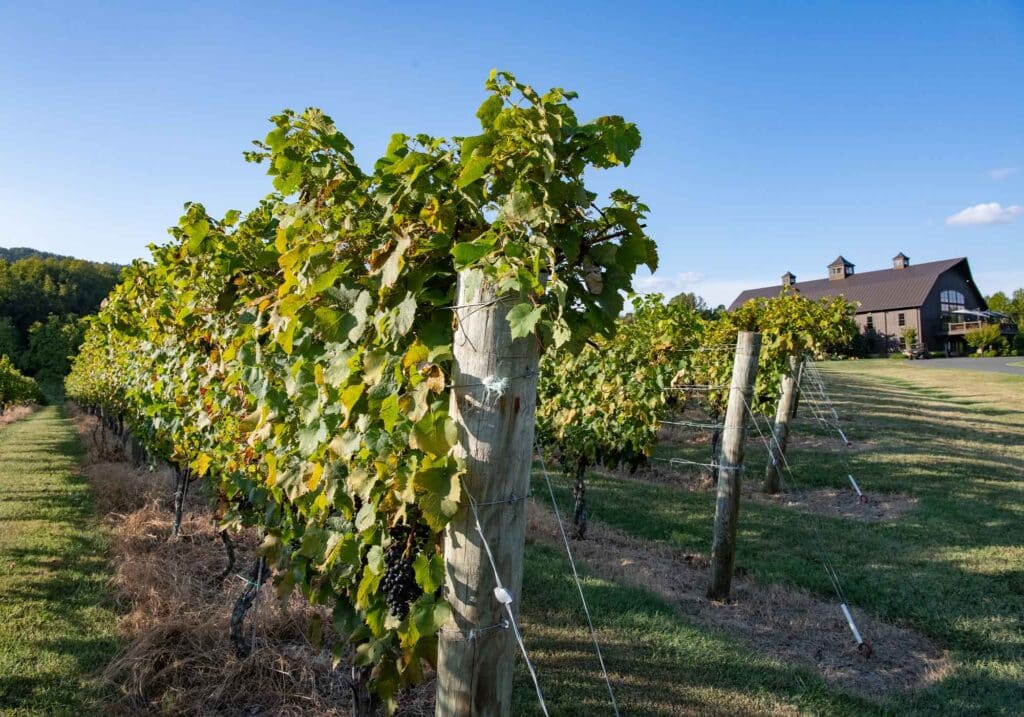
776 135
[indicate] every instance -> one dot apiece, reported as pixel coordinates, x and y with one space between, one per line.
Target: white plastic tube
853 626
855 486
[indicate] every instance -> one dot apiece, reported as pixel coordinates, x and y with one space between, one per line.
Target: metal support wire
691 424
816 379
576 577
830 571
505 598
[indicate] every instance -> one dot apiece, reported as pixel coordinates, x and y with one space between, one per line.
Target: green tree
909 338
52 344
36 285
986 339
10 338
1012 306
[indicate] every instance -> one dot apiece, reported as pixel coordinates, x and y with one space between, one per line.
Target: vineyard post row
727 506
784 413
493 402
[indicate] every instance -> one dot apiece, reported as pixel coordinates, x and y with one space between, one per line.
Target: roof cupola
840 269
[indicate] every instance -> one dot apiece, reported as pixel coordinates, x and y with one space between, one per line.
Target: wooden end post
476 649
727 507
799 386
780 431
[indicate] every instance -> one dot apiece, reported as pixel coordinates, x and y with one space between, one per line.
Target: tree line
43 298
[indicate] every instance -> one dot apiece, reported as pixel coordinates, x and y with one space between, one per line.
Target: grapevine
15 389
297 357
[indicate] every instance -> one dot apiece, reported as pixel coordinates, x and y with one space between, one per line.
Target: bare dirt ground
830 443
177 658
788 624
874 508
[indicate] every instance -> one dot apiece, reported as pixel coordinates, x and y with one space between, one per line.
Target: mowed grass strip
57 623
952 567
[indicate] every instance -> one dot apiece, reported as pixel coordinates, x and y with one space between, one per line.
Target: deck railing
962 327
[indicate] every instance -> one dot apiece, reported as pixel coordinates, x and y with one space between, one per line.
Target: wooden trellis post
727 507
493 400
780 431
799 385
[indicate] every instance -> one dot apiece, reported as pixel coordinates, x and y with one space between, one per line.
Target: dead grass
834 503
784 623
16 413
175 611
830 444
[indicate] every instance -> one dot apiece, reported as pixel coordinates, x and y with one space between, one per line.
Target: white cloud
1002 172
667 285
982 214
714 291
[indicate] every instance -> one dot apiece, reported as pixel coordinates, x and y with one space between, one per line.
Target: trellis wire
686 462
830 571
576 577
692 424
816 378
505 598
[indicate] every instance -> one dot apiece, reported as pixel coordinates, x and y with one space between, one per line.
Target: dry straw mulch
784 623
177 658
16 413
834 503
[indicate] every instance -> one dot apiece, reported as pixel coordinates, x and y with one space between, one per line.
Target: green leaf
389 412
489 110
466 253
438 493
429 572
435 434
196 232
523 318
472 170
429 616
405 315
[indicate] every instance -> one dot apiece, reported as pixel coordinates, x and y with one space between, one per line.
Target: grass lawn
953 567
57 626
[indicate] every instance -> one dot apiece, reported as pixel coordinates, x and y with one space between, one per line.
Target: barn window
902 319
951 300
871 323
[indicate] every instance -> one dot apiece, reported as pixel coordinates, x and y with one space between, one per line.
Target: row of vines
606 403
15 388
297 358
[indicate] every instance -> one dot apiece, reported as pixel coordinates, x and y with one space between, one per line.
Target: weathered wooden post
493 399
727 507
780 431
799 386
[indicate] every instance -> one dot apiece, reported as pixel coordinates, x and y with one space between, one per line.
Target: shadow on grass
56 617
658 663
947 568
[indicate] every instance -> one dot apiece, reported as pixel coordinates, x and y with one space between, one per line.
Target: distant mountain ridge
17 253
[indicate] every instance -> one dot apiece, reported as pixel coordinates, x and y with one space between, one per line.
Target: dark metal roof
841 261
881 290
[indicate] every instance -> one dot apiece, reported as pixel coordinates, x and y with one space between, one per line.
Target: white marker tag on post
503 596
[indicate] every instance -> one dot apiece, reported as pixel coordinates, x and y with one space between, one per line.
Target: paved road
995 365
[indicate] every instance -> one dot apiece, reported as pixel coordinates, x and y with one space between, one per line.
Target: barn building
938 299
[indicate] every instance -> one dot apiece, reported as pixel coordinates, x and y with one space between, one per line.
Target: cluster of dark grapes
399 581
